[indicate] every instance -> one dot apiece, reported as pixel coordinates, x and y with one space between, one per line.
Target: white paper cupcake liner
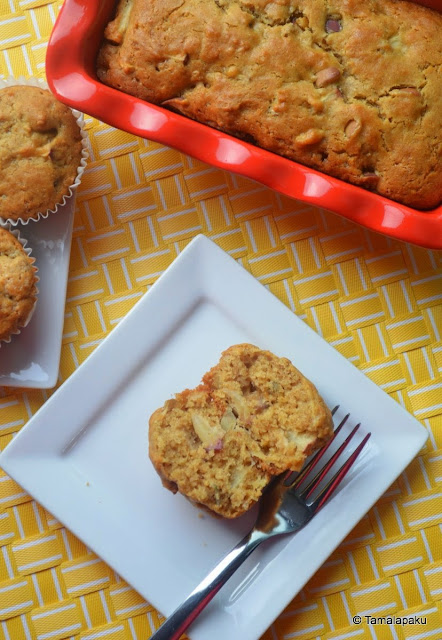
38 82
28 250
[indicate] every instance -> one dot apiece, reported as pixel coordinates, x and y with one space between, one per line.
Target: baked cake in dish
350 88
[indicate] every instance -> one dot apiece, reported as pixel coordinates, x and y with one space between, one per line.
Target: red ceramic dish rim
71 76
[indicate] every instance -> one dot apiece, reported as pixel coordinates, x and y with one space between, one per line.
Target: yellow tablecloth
377 301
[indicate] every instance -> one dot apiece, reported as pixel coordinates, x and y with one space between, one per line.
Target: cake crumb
253 416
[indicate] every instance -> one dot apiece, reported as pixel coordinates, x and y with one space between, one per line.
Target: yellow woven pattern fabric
377 301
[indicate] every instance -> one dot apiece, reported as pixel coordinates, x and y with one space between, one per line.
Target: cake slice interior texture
253 417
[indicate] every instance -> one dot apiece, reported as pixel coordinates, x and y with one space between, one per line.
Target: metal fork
284 508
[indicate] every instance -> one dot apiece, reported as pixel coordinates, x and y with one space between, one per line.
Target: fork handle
185 614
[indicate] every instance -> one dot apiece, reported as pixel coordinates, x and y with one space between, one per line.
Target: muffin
18 289
253 416
40 152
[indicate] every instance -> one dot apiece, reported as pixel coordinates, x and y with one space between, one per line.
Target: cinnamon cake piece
253 416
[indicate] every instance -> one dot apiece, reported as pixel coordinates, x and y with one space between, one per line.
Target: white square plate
84 454
32 358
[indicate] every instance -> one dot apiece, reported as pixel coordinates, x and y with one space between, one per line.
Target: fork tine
334 483
311 464
314 482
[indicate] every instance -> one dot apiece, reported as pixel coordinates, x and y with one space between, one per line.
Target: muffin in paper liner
37 82
34 293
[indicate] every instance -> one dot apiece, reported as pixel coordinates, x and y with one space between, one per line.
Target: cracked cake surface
253 416
18 291
351 88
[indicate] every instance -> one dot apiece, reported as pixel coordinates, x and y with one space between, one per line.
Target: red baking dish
70 70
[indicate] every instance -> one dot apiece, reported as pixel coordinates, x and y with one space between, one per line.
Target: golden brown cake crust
351 88
253 416
40 151
18 289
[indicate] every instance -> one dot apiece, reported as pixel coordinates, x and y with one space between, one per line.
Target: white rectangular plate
84 454
32 358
